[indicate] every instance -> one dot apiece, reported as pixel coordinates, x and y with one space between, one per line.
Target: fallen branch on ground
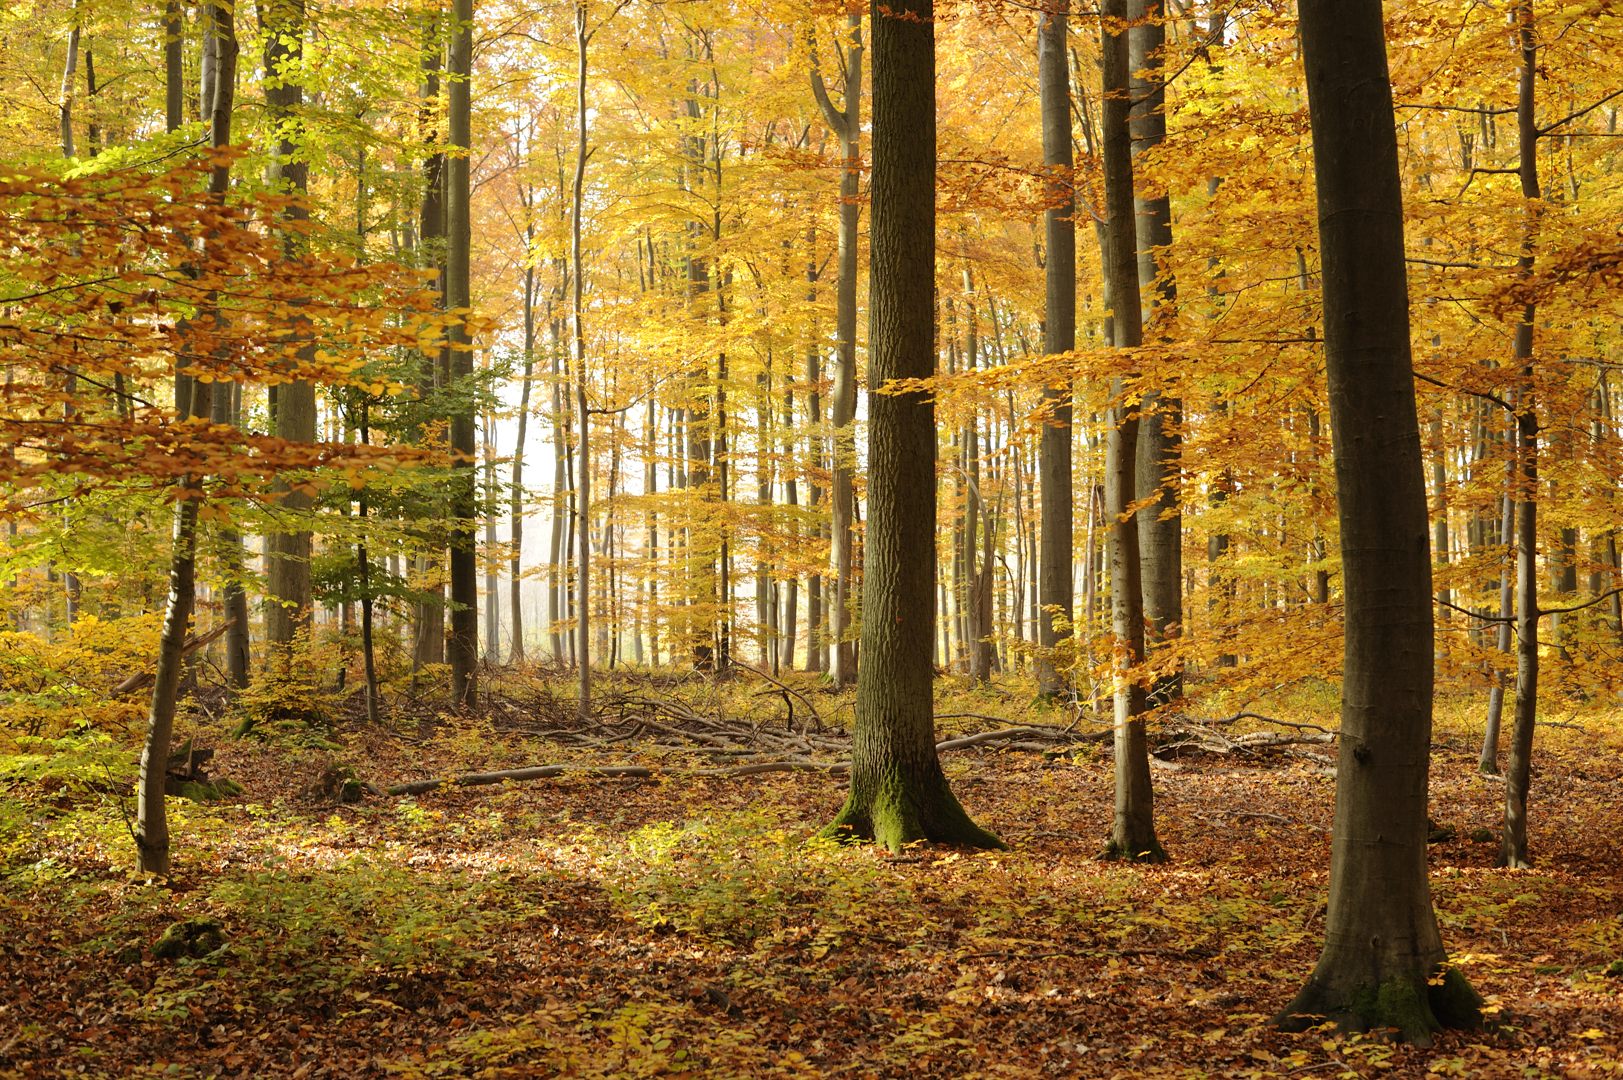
142 679
1017 737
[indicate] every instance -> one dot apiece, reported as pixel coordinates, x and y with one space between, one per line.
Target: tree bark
151 815
288 599
515 526
1160 441
1133 832
846 123
1519 765
898 792
583 457
462 643
428 618
1383 964
1059 335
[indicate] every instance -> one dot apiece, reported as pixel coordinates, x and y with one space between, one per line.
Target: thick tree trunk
1059 335
1383 964
898 791
1133 834
1160 441
233 595
288 599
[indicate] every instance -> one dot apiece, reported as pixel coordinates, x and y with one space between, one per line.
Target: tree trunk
846 124
515 526
1133 834
288 599
1160 526
462 643
898 791
152 820
428 616
1059 335
374 711
583 458
1519 766
1383 964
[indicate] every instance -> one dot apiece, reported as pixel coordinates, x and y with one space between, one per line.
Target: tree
1132 835
462 644
898 791
151 814
1383 964
1160 527
846 123
1059 335
293 413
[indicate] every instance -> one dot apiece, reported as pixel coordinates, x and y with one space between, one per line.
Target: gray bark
288 599
847 126
1519 764
1382 946
1160 527
1133 833
1054 586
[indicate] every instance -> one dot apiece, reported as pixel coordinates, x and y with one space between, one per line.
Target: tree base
1150 852
1411 1008
899 814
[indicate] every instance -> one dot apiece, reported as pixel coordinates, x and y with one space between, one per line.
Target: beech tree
1383 964
898 791
1132 835
462 644
1059 335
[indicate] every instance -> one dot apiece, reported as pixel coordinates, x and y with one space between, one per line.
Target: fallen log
143 679
754 768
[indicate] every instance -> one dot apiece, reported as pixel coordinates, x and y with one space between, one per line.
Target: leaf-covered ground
685 926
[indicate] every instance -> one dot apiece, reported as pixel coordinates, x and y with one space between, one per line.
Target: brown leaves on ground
683 926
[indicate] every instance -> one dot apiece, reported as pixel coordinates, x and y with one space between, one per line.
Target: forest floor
684 926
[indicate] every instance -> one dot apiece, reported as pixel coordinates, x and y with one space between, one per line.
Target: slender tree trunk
374 710
846 124
1488 763
462 644
515 527
428 617
1059 335
577 309
493 628
152 820
70 70
1383 964
1519 766
560 487
288 600
898 791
